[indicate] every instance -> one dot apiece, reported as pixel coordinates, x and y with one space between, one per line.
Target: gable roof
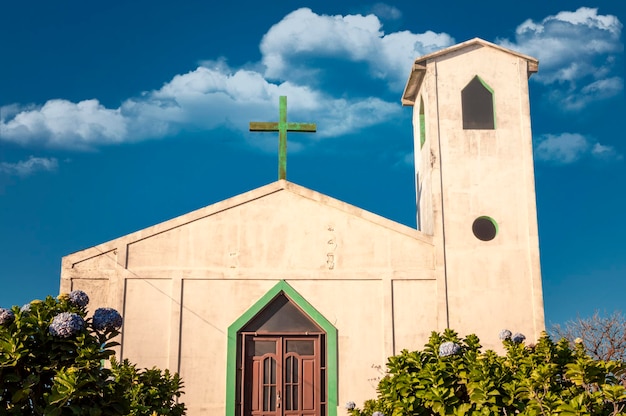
263 192
419 66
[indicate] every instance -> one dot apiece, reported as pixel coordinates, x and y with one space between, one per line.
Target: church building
283 301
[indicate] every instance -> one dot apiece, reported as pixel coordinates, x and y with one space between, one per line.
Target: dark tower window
477 103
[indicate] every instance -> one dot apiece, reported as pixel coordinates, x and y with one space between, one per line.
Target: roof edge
246 197
421 60
413 85
419 66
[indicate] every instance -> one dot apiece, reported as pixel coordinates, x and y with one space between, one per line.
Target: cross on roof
282 127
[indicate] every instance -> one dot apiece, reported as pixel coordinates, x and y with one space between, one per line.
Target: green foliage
67 374
148 390
545 379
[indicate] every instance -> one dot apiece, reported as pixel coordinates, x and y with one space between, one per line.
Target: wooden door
282 375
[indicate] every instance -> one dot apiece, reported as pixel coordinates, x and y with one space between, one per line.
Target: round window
485 228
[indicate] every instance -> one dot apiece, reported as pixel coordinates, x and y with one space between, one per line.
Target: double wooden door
283 375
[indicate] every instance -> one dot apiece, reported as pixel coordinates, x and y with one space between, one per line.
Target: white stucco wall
490 285
182 283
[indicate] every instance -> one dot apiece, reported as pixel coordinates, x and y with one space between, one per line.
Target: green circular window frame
482 235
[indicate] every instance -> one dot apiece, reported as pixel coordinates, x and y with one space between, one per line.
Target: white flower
66 324
505 334
449 348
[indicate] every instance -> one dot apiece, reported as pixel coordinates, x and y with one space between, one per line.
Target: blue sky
115 116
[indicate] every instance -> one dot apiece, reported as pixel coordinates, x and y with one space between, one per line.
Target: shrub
451 376
52 362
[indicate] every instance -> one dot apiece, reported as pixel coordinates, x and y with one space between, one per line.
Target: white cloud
207 98
404 160
61 123
385 11
239 97
602 152
214 95
569 45
201 99
566 148
595 91
576 50
355 38
28 167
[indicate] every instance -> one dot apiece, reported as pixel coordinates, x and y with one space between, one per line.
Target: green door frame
331 344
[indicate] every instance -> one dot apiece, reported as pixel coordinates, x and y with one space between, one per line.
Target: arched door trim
331 343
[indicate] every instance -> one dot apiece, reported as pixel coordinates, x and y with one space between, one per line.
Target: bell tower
475 184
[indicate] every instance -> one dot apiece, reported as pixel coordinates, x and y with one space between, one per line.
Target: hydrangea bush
78 298
55 360
449 348
452 376
66 325
6 316
107 319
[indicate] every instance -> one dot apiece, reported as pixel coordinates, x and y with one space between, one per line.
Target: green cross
282 127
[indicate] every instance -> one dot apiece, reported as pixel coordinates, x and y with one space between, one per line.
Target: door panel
262 369
309 383
264 391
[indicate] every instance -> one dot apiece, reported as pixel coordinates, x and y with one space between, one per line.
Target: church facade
284 301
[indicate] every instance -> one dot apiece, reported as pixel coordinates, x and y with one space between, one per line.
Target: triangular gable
116 250
419 66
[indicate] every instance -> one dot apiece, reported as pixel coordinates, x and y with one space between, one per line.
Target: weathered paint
282 127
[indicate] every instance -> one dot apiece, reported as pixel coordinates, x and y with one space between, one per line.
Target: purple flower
350 405
66 324
6 316
505 334
518 337
78 298
107 319
449 348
